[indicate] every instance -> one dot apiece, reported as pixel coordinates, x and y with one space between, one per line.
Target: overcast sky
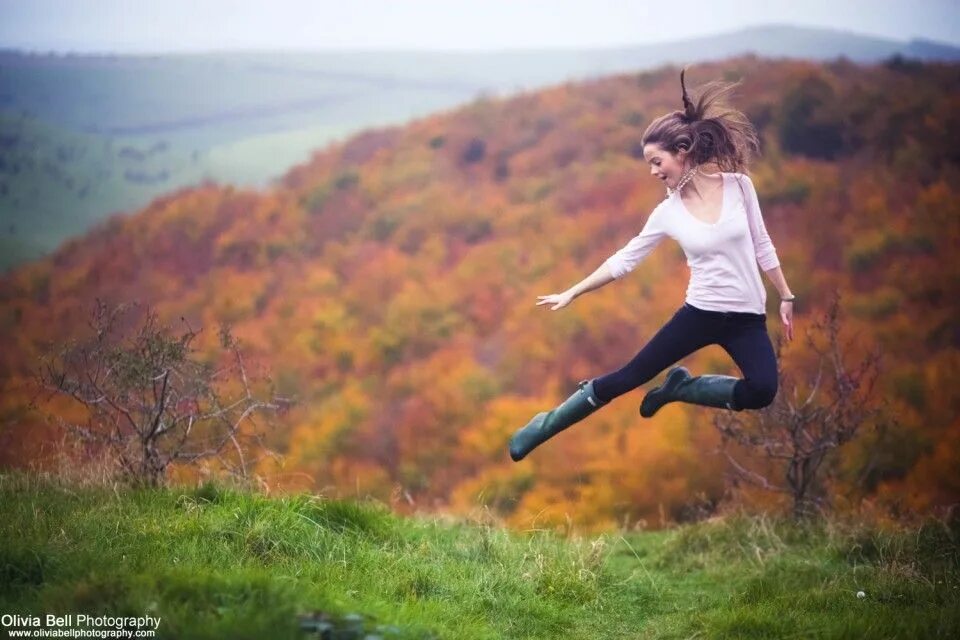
152 26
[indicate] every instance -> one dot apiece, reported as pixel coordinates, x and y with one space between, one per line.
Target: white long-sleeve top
722 257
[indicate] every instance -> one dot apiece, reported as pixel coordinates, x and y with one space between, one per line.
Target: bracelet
790 299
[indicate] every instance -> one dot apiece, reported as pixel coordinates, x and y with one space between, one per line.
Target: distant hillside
83 136
389 283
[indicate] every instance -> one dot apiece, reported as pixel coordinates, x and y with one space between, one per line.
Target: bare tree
809 418
150 400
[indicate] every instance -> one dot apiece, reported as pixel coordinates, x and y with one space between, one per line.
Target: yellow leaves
865 249
418 319
317 280
192 209
257 234
358 478
877 247
878 304
326 428
377 279
546 506
69 279
937 214
498 487
330 318
232 297
487 436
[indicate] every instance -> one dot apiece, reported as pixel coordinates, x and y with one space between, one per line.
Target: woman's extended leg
683 334
686 332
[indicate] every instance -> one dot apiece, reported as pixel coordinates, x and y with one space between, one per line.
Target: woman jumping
716 219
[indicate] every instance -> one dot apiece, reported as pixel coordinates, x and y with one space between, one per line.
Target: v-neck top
722 256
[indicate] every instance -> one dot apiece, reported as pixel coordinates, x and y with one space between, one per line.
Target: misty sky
151 26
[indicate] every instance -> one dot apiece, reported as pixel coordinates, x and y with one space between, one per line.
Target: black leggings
743 335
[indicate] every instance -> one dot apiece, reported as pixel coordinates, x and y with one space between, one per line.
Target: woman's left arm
786 307
767 253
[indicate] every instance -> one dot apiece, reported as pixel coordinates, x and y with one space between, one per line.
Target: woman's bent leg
686 332
750 347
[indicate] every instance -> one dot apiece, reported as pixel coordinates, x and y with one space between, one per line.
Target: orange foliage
390 282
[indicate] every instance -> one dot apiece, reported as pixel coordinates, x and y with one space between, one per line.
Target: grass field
215 562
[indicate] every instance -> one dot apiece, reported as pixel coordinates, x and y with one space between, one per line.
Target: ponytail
707 128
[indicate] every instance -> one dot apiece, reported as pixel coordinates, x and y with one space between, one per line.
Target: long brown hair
711 131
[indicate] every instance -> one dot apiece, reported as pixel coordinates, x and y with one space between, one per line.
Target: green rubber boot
545 425
709 391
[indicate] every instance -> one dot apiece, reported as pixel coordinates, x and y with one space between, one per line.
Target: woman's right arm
616 266
595 280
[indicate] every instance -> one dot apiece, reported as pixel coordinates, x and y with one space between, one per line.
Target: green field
216 562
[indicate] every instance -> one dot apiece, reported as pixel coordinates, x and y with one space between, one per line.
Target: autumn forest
388 287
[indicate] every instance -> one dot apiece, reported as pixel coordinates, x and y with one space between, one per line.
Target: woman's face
664 165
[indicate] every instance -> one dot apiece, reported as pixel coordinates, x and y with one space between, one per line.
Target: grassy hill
217 562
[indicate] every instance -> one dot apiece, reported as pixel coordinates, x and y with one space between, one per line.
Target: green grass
215 562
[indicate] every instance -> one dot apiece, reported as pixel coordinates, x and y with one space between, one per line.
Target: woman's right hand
558 300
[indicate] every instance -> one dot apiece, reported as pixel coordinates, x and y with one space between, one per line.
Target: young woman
716 219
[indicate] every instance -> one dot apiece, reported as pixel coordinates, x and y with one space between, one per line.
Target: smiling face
664 165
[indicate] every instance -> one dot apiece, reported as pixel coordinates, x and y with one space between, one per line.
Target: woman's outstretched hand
786 314
558 300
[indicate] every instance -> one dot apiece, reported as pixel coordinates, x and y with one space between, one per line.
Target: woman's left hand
786 315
